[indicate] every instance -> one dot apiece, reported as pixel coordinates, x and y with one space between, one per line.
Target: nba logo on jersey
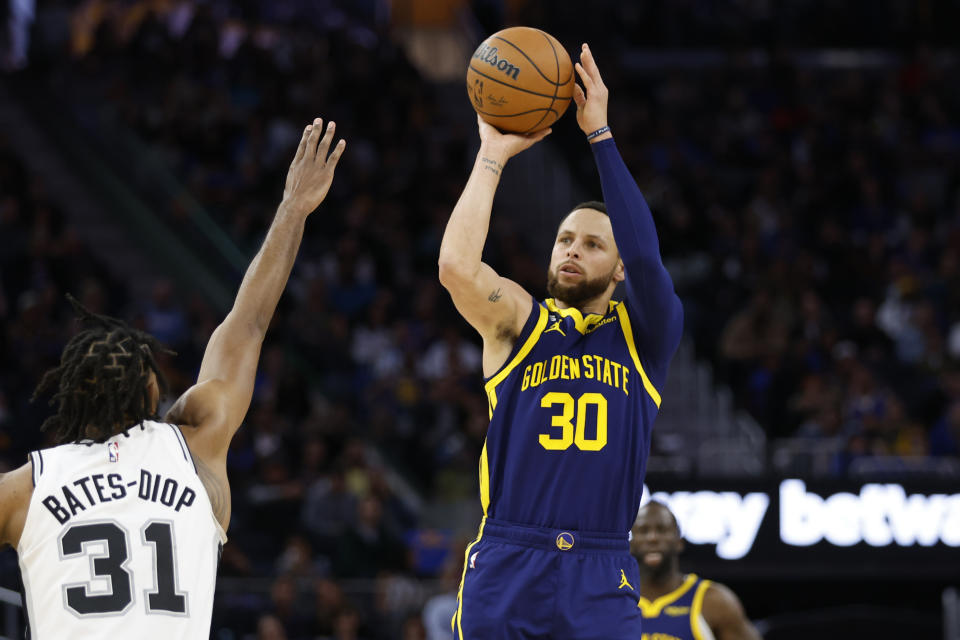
473 560
114 450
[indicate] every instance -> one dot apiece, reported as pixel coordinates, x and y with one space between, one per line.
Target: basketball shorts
521 582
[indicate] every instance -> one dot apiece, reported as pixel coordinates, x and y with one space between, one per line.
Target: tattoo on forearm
495 296
492 165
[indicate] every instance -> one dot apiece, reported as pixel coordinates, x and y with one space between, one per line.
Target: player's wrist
493 153
599 133
292 207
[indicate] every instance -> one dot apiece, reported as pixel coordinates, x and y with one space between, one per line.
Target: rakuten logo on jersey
882 514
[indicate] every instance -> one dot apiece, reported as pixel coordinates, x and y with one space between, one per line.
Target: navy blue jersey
571 414
677 615
572 409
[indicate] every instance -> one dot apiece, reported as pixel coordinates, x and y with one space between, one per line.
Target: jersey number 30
82 599
570 434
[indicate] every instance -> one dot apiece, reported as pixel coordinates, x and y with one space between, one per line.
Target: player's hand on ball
507 145
311 172
591 99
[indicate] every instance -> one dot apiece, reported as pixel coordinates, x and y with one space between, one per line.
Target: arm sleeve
656 312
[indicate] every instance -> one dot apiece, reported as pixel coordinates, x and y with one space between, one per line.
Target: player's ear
619 274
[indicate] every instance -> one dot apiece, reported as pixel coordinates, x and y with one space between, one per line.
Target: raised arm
216 405
655 308
495 306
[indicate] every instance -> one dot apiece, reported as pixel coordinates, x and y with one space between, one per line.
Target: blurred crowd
814 219
699 24
810 218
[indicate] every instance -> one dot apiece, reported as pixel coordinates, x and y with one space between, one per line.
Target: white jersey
120 540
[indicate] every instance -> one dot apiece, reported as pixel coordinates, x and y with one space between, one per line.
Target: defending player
573 387
677 606
118 529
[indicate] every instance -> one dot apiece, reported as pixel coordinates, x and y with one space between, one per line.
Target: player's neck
654 586
92 432
95 433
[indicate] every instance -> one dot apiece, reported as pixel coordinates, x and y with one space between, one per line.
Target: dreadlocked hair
101 382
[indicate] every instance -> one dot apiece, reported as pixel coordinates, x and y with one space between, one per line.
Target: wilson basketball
520 80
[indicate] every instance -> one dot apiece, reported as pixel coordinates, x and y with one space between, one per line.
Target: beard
577 295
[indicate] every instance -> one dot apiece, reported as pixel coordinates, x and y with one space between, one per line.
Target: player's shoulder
16 489
719 601
719 591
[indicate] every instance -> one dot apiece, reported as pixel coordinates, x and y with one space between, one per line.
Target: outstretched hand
507 145
591 99
311 172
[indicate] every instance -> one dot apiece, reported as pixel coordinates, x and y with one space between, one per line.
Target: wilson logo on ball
490 55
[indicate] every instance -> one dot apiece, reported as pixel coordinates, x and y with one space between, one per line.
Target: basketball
520 80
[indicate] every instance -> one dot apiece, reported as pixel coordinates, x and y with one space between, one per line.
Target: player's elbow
242 327
453 273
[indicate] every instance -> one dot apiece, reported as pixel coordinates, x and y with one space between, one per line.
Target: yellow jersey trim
484 479
581 322
652 609
696 610
632 347
455 623
501 375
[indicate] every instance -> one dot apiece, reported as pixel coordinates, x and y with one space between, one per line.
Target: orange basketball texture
520 80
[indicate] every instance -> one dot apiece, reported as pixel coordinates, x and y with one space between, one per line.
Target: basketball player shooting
677 606
118 529
573 388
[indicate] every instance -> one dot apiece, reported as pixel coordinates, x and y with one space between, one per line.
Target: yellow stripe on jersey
631 345
484 479
501 375
455 623
696 610
653 609
491 388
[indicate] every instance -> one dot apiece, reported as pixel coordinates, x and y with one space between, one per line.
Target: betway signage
792 515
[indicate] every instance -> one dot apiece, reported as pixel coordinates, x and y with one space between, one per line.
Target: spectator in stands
270 628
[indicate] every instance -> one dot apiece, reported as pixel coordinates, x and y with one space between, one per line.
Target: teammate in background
118 529
573 389
677 606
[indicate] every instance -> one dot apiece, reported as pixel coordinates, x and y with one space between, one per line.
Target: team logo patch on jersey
114 450
677 611
565 541
473 560
556 327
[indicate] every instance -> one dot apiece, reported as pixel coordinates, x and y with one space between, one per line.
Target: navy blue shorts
522 582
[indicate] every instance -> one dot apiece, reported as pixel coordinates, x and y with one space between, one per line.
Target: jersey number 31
83 600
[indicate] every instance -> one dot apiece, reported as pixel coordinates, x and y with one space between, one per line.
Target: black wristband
598 132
